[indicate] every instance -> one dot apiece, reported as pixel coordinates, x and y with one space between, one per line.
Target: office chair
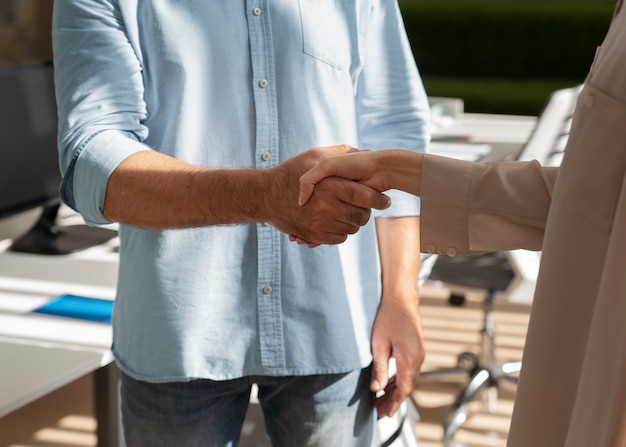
511 274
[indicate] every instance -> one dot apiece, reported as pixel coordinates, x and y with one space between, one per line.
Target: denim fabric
323 410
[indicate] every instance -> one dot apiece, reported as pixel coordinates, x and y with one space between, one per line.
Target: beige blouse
572 389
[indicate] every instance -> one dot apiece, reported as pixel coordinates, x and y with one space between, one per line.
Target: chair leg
444 374
483 371
509 371
456 415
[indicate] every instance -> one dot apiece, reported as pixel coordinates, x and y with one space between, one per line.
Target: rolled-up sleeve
479 207
99 89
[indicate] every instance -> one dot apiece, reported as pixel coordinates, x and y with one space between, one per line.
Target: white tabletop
32 370
40 353
486 128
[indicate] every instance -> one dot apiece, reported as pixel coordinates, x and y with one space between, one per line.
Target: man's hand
381 170
337 208
397 331
360 166
397 334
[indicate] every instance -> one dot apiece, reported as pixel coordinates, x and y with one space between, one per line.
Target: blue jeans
331 410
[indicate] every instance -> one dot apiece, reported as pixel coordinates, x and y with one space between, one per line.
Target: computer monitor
29 168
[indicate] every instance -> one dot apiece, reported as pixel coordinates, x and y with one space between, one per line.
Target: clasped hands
340 187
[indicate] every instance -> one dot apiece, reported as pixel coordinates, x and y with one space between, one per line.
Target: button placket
269 311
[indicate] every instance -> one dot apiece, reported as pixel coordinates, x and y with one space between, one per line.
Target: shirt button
451 252
266 156
263 83
256 11
589 101
429 249
267 290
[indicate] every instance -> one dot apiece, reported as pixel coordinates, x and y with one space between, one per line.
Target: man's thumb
380 375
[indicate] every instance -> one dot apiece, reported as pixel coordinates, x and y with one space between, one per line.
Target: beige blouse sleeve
479 207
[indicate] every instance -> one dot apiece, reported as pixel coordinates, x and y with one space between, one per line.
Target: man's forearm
399 244
154 191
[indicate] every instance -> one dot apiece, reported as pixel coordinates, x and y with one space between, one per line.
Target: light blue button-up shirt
236 83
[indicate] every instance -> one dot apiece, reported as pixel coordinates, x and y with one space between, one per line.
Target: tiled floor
65 418
448 331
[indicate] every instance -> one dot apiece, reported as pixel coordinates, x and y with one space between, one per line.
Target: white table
30 371
40 353
487 128
506 134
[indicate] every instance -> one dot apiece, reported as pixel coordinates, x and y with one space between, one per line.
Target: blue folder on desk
78 307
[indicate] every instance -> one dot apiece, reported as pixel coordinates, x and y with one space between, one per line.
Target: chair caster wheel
457 300
467 360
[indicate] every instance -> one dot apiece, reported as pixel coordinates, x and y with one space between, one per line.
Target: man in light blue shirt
188 122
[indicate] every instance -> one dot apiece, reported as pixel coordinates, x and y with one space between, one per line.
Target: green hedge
504 56
491 95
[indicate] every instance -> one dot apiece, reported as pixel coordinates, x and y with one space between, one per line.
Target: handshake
338 188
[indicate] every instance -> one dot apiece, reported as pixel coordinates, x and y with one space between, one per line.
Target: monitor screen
29 169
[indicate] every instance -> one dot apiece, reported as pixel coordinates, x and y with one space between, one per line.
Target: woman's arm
479 207
466 207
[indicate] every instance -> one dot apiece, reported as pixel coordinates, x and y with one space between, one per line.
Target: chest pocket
326 32
595 159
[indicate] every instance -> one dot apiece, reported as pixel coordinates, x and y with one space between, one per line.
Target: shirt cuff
445 185
93 167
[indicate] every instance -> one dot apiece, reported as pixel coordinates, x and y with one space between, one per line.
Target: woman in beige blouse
572 389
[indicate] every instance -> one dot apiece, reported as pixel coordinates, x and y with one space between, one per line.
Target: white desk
488 128
30 371
506 134
40 353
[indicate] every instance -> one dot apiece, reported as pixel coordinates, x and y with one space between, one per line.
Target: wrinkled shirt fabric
244 84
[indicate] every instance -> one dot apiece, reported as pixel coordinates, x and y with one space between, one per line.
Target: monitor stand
46 237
